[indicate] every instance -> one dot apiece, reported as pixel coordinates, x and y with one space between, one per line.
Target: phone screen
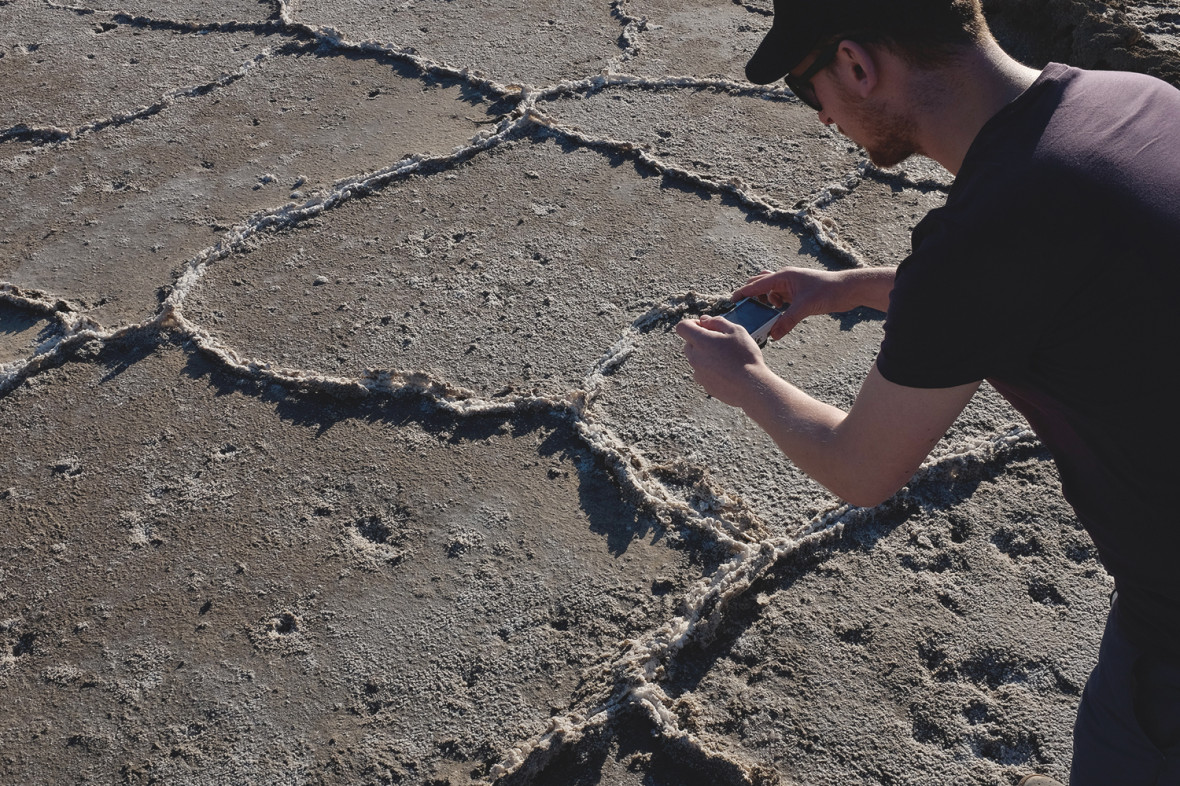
751 315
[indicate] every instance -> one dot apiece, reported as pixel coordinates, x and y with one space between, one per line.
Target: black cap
801 26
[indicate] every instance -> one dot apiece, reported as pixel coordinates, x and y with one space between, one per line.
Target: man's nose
825 118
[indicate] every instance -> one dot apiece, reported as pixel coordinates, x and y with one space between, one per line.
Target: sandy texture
346 439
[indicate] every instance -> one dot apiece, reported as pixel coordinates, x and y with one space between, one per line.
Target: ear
857 69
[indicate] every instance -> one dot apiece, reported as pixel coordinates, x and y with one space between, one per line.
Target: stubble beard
890 137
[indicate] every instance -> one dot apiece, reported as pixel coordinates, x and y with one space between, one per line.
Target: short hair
925 32
922 31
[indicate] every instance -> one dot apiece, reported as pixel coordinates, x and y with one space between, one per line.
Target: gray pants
1128 727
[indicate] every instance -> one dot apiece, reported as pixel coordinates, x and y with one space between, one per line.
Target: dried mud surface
346 439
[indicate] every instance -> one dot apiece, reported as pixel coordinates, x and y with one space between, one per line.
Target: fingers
689 330
699 331
789 320
718 323
777 287
754 286
784 325
758 285
702 335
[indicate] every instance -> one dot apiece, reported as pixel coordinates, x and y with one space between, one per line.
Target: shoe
1038 780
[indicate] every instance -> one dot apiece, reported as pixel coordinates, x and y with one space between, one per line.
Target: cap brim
784 47
766 65
775 57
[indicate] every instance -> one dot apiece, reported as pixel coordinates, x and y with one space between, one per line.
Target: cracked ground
346 439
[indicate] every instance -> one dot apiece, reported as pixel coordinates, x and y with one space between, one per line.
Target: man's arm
862 456
812 292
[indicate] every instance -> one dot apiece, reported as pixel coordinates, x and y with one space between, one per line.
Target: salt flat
346 439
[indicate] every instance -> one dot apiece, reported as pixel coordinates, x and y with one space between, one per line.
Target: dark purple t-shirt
1052 273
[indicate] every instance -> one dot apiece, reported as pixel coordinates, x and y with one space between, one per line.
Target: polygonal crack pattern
346 437
274 524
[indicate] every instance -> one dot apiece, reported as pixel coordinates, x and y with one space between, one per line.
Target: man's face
887 135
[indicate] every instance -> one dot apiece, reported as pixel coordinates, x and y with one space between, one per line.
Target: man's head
923 31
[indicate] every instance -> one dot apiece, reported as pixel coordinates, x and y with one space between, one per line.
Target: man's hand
811 292
725 360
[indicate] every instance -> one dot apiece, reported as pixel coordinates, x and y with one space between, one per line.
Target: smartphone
757 318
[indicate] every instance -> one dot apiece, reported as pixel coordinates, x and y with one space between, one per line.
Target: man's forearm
870 286
863 456
807 431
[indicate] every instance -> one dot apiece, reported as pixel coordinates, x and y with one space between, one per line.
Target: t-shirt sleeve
956 314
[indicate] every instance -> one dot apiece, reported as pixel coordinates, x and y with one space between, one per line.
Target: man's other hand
725 360
811 292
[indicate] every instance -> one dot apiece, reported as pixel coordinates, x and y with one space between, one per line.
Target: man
1050 272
